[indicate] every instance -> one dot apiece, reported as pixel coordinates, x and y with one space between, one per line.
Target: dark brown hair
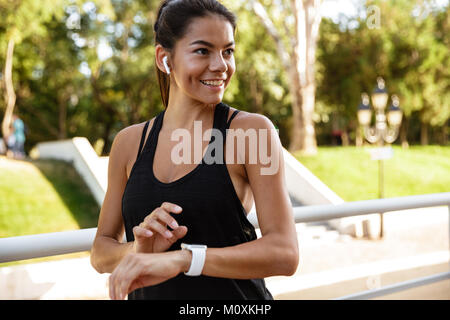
174 17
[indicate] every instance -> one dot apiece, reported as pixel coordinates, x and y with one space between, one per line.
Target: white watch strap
198 259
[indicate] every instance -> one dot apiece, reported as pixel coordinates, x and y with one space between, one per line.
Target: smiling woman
159 202
190 47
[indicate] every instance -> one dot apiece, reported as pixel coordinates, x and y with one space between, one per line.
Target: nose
218 63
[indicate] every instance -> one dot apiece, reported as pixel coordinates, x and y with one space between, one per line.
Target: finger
117 276
111 288
180 232
142 232
156 226
116 285
113 281
120 281
117 289
129 275
123 289
165 217
171 207
163 213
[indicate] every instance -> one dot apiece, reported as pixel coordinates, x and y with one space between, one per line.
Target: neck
182 111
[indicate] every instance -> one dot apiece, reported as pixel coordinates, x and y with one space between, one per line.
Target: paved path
436 291
413 239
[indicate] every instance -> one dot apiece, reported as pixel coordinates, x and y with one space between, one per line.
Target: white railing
41 245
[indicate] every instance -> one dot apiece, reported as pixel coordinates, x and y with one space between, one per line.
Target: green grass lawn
43 196
350 172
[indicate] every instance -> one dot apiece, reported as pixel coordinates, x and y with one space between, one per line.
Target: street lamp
386 128
395 114
364 111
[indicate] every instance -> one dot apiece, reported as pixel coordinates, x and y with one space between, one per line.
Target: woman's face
203 60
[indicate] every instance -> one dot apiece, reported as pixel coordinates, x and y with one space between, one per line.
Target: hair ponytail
164 86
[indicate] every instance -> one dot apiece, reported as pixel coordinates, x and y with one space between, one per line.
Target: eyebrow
205 43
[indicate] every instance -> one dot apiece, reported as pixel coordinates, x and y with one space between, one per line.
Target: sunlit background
77 72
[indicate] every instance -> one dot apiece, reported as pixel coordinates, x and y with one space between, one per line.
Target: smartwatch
198 258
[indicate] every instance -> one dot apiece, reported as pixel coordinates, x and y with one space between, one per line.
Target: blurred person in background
10 141
18 137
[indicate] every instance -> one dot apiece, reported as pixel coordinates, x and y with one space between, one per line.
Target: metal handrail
357 208
48 244
405 285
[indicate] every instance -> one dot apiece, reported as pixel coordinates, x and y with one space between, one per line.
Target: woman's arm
150 235
107 250
276 252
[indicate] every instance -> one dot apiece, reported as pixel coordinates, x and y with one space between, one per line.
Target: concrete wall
310 190
93 169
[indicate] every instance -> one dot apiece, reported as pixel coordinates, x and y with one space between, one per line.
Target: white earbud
165 65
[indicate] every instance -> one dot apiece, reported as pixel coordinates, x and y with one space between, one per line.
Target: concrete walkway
416 244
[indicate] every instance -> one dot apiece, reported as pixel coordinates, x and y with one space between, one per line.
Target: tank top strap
156 127
223 123
142 139
231 118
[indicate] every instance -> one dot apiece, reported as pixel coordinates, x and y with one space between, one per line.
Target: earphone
165 65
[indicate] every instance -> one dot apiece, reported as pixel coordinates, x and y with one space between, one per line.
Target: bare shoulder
126 142
254 138
248 120
124 137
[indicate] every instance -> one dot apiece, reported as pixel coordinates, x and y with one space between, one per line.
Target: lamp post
385 131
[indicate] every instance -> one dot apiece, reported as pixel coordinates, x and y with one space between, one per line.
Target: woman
160 204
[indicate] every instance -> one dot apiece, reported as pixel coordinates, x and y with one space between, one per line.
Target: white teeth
212 83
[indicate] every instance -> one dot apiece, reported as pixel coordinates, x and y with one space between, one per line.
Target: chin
212 101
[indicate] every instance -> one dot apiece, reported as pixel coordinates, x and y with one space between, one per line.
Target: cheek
231 66
231 70
188 70
193 75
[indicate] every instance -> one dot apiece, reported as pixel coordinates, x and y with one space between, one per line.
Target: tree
259 85
408 49
124 89
21 19
297 24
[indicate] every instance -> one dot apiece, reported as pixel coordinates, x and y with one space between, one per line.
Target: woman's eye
229 51
202 51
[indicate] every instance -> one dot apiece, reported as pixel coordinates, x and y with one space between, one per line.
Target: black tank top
212 212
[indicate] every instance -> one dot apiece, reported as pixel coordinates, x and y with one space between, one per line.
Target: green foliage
260 84
24 18
86 68
408 49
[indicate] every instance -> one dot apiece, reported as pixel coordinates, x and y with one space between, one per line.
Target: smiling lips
213 83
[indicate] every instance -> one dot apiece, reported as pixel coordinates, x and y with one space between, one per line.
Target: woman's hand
138 270
152 235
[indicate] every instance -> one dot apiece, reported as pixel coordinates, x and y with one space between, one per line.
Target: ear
160 53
